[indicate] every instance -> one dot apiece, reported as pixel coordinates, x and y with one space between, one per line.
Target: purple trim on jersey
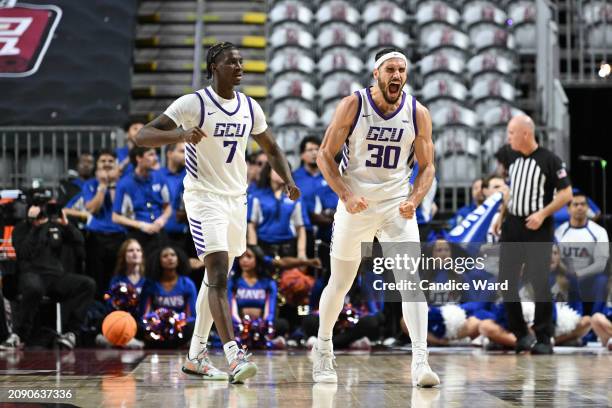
202 109
356 118
414 123
196 234
382 115
248 98
191 160
221 107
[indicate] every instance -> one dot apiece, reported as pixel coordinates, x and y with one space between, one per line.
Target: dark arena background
92 312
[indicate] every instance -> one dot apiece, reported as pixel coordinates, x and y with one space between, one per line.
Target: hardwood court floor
470 378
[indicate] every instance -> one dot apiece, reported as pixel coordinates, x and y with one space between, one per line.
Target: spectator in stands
276 223
129 269
104 236
126 167
310 180
253 292
593 211
169 287
477 199
70 190
174 173
142 201
255 164
123 153
585 247
326 202
39 242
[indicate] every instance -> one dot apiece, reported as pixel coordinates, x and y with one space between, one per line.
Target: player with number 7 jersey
215 123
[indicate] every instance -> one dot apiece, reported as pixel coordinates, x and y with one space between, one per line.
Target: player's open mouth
394 89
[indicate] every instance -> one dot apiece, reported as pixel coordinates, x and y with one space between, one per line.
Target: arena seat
290 11
457 156
445 113
483 11
338 34
383 12
337 10
293 113
489 62
338 85
441 62
291 34
293 89
483 88
500 115
437 11
340 59
291 59
441 88
486 35
436 35
386 35
522 16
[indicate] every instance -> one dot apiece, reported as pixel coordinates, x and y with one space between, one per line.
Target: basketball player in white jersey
381 131
215 123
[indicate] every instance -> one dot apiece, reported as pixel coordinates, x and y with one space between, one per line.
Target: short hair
309 139
578 194
106 152
486 180
171 147
138 151
388 50
129 123
213 52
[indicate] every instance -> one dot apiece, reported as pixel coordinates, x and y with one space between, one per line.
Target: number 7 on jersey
233 144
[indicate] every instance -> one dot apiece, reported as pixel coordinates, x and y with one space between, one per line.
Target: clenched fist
292 191
407 209
193 135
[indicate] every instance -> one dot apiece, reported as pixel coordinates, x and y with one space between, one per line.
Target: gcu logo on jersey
25 35
385 134
229 130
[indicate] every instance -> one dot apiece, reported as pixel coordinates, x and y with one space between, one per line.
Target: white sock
415 317
196 346
231 349
204 319
332 299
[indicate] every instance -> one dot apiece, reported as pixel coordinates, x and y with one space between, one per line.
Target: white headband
388 56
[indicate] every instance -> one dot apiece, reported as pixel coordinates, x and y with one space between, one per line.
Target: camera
44 198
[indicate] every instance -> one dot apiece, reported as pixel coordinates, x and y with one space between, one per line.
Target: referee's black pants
525 257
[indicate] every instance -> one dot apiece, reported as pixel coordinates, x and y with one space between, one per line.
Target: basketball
119 328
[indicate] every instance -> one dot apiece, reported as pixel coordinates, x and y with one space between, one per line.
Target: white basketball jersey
378 155
217 163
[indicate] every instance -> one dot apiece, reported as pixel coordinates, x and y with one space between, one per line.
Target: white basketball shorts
217 223
382 219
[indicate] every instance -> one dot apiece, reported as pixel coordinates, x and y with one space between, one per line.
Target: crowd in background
123 228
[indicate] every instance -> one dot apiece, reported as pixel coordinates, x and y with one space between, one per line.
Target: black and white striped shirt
533 180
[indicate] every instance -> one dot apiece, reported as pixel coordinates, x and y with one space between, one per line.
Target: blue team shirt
101 221
175 188
262 292
325 198
308 185
181 298
276 219
140 198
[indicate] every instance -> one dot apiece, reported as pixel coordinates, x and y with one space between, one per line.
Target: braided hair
214 52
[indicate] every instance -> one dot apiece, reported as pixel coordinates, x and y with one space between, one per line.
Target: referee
527 231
